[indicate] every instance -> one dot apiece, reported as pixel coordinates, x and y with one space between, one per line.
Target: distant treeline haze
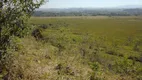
88 12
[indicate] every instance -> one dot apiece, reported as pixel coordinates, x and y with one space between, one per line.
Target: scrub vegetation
67 48
79 49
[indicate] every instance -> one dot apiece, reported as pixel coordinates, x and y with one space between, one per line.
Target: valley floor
99 48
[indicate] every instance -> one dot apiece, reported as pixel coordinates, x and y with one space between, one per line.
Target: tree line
88 12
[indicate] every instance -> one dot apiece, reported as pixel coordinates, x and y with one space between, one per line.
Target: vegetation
13 23
67 48
80 49
87 12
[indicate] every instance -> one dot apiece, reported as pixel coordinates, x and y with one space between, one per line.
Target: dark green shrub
37 34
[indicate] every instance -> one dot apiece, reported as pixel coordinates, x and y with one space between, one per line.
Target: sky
89 3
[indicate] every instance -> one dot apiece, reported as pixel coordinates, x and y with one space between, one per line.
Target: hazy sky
89 3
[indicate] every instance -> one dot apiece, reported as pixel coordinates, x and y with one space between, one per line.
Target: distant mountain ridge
130 10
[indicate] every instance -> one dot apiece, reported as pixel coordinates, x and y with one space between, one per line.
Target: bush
124 66
97 71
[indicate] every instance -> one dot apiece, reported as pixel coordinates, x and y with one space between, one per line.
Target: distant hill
89 11
130 6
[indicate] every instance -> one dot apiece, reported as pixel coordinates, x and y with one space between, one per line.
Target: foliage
61 48
97 72
124 66
112 49
13 17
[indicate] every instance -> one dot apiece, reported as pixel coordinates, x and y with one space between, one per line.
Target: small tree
13 18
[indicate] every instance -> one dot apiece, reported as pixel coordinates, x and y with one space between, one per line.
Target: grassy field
79 48
114 43
119 28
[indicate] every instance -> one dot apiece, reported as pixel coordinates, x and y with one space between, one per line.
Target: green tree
14 15
13 18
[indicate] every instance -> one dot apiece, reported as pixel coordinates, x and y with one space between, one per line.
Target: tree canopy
14 12
13 18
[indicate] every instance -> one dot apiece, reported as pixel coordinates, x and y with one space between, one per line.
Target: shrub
97 71
123 66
